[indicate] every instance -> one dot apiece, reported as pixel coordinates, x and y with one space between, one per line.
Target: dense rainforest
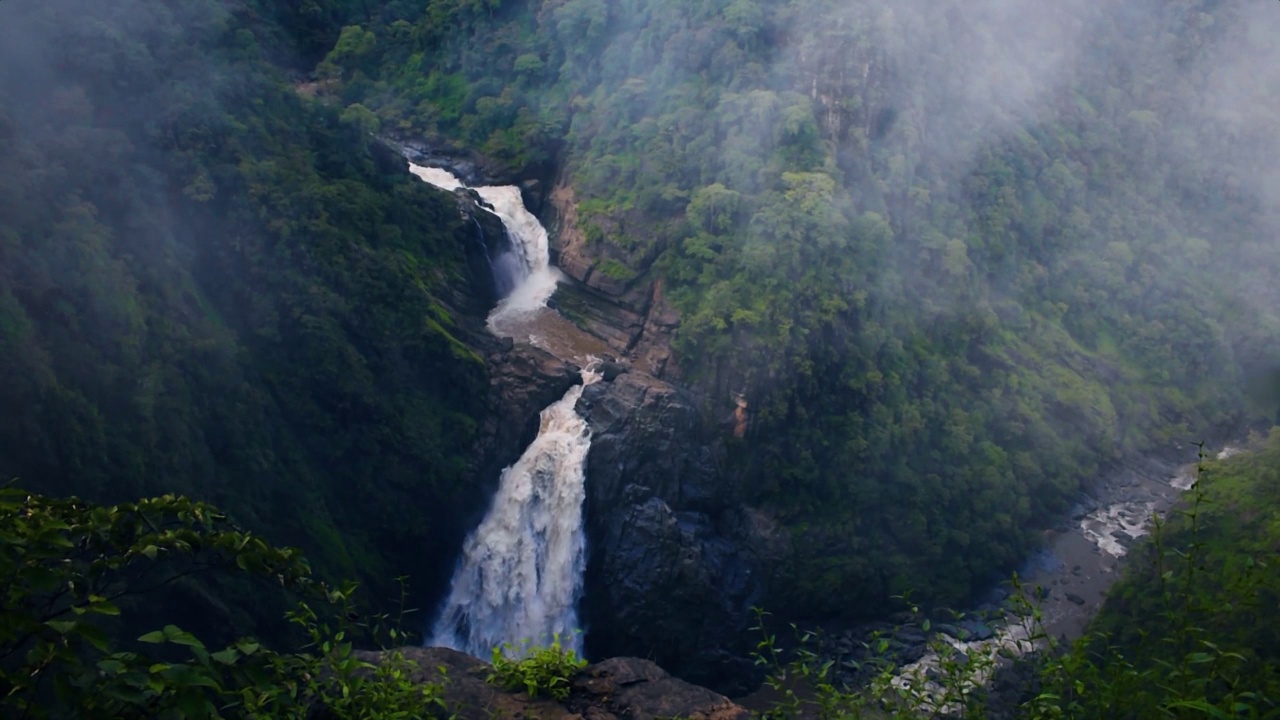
956 257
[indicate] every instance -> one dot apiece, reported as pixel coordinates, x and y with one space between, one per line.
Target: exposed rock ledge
629 312
523 380
616 689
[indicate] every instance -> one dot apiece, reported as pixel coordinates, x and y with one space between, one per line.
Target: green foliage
536 670
78 571
1190 631
804 685
362 118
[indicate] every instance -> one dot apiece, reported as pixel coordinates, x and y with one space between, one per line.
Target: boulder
609 371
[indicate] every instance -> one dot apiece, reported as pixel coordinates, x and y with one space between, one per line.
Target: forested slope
209 286
958 256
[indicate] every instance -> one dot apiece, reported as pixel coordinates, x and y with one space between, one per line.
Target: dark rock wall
674 560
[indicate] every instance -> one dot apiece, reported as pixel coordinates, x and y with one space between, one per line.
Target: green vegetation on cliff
953 273
211 286
957 259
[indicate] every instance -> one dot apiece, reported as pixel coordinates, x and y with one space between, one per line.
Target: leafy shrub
71 568
543 670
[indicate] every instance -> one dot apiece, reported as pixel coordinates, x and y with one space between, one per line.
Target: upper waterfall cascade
520 577
537 279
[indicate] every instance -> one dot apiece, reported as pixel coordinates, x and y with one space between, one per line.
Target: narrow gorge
614 530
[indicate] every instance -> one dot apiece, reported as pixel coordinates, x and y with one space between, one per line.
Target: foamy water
520 577
537 279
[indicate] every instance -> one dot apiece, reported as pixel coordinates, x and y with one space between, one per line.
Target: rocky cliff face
616 299
523 381
675 561
485 241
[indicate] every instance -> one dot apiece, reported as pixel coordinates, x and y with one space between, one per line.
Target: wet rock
978 630
523 381
911 636
610 371
613 297
484 239
1075 598
674 564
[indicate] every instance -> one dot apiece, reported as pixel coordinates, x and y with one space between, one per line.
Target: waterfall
540 279
535 279
520 576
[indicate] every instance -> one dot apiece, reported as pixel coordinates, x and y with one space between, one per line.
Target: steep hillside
212 287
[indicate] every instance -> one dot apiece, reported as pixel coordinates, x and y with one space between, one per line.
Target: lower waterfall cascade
520 577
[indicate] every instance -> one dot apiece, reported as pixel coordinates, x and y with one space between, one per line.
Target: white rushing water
537 278
973 662
520 577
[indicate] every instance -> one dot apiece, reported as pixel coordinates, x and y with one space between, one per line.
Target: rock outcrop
523 381
475 169
674 559
616 689
614 297
484 240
